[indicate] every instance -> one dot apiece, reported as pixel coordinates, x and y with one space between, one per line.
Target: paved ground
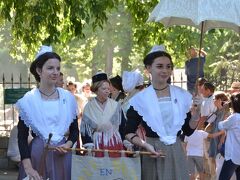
8 174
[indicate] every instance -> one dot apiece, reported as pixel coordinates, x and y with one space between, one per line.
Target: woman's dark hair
149 59
222 96
210 86
200 81
235 102
40 61
70 83
117 82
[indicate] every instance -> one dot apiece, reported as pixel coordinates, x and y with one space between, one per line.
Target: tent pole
201 39
199 56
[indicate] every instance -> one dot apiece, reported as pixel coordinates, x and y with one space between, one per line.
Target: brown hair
149 59
221 96
40 61
94 87
201 81
235 102
210 86
70 83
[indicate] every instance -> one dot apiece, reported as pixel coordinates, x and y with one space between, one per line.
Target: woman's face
87 90
112 89
60 81
205 92
72 88
200 89
103 91
218 102
160 70
50 71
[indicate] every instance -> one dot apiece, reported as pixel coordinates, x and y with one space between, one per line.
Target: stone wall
3 152
5 163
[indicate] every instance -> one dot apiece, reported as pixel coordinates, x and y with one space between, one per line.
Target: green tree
41 21
105 34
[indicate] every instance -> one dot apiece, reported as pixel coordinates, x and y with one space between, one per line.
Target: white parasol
202 14
211 13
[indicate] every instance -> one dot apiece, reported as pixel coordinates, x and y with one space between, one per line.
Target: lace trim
181 112
28 121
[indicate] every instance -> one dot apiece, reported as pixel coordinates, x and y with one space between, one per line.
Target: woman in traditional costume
163 111
116 89
102 121
46 110
132 83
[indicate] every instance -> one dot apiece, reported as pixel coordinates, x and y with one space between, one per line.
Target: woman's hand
151 149
89 147
195 113
31 173
134 139
128 145
63 148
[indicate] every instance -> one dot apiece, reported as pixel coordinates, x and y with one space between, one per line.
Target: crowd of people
193 128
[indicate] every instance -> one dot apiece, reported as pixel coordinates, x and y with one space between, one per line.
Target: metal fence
8 115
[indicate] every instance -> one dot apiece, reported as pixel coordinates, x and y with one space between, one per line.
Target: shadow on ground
8 174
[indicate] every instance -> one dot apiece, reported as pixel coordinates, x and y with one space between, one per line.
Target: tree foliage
37 22
84 31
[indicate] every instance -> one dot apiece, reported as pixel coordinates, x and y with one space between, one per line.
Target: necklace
161 88
47 95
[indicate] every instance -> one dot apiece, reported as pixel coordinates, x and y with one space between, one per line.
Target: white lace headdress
44 49
131 79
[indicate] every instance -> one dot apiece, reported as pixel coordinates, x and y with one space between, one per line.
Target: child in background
207 106
207 109
195 151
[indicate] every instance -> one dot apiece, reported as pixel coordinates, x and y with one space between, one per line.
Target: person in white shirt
207 107
206 110
195 151
232 145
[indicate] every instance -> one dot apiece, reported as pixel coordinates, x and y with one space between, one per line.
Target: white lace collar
33 116
146 104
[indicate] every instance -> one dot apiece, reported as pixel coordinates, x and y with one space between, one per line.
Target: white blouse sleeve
227 124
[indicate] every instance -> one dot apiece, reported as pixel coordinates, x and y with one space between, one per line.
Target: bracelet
133 137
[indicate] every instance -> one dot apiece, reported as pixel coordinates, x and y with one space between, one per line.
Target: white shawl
103 122
33 116
146 104
97 114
